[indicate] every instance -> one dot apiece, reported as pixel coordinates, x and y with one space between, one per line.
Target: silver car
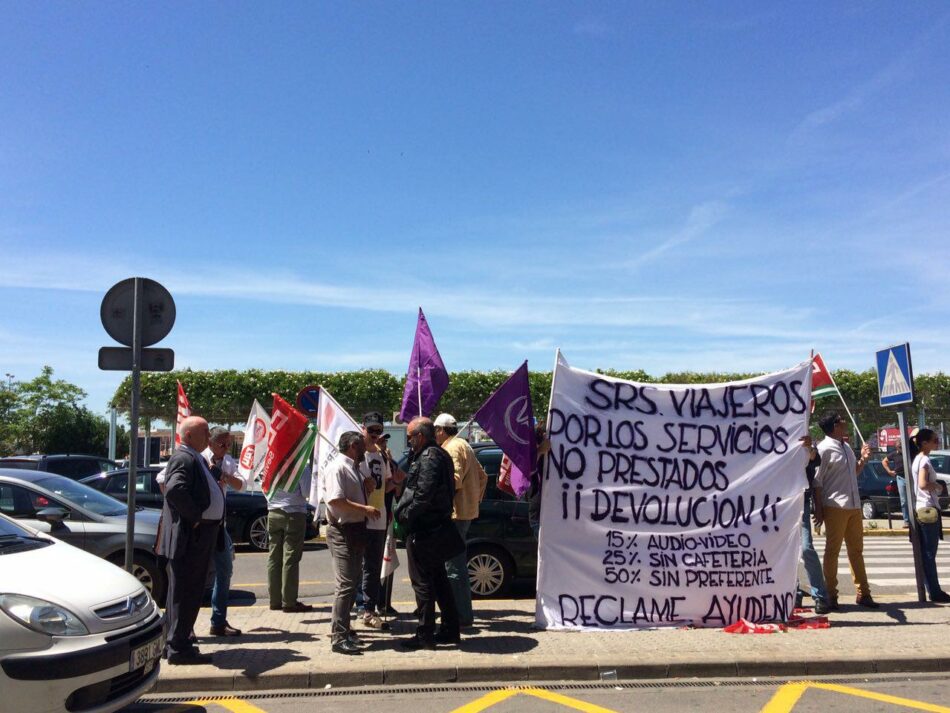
85 518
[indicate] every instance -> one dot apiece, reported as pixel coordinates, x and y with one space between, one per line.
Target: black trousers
431 584
186 585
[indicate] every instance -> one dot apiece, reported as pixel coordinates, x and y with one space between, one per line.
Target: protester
816 578
192 515
838 505
375 467
286 531
470 482
224 470
347 512
929 521
894 465
425 513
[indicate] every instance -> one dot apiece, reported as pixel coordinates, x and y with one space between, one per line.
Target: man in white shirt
224 469
838 505
347 511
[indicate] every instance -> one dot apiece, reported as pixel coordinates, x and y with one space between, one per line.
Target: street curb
738 668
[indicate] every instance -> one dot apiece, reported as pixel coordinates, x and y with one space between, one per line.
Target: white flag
256 435
332 422
390 558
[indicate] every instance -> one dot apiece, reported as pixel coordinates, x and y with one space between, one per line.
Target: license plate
146 653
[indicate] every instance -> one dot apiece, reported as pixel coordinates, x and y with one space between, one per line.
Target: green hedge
225 396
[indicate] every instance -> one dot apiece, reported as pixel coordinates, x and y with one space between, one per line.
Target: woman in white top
926 490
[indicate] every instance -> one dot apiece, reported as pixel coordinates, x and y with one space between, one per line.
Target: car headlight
42 616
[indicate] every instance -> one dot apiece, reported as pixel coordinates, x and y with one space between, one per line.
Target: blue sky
666 186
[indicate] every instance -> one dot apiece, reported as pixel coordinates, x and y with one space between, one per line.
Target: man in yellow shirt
470 482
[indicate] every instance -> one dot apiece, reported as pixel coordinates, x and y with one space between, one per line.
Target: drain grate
546 686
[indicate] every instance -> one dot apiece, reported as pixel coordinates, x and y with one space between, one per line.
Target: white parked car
77 633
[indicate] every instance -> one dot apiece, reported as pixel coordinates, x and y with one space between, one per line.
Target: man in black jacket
191 522
425 512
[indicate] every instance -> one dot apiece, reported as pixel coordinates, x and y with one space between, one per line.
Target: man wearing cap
470 482
375 467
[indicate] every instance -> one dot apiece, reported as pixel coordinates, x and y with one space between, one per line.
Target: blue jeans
457 569
223 567
902 491
929 537
816 579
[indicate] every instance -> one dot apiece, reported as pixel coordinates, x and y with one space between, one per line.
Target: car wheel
146 570
257 533
868 510
490 571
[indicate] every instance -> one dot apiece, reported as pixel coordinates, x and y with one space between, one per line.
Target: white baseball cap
446 419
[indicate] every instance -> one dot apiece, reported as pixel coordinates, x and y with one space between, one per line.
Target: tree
44 415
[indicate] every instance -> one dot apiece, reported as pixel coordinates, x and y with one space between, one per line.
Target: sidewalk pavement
292 651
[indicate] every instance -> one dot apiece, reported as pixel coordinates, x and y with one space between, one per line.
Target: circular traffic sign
158 311
308 400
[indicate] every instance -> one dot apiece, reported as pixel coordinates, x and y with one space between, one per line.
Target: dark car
70 465
246 512
85 518
877 490
501 546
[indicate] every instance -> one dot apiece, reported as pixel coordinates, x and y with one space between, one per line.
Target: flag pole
419 388
845 404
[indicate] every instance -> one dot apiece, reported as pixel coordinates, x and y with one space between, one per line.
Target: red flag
821 382
287 425
184 411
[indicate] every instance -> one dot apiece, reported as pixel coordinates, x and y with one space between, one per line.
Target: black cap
373 418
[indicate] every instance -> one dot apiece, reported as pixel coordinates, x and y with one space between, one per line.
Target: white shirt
837 476
343 481
925 498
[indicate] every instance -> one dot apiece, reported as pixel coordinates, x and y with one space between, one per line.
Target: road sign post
895 385
136 312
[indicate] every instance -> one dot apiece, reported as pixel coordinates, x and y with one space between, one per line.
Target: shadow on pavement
267 635
254 662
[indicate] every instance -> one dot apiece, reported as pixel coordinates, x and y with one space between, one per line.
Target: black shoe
388 611
833 604
414 643
447 637
346 647
276 607
822 607
189 658
940 598
224 630
297 608
866 601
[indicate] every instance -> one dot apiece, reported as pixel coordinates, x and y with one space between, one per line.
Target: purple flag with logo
507 416
426 379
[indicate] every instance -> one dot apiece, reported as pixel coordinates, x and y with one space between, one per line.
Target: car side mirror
52 516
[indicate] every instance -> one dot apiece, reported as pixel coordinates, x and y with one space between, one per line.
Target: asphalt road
878 694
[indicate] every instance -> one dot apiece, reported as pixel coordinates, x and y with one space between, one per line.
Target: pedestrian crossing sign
895 377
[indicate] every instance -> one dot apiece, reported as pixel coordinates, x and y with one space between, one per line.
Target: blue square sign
895 377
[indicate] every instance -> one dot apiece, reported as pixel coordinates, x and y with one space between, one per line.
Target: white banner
671 505
254 448
333 421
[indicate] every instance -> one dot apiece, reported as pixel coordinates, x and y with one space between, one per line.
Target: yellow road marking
788 695
495 697
235 705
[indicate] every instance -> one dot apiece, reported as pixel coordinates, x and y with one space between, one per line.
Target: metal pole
112 433
137 301
911 506
147 444
419 388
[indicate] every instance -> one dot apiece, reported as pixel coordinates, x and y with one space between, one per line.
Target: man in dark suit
191 523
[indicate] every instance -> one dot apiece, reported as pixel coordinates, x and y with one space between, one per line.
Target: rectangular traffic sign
895 376
120 359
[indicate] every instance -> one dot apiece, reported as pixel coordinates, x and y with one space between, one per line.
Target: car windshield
14 539
83 496
8 528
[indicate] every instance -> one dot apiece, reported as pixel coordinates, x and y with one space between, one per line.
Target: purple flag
507 416
426 378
